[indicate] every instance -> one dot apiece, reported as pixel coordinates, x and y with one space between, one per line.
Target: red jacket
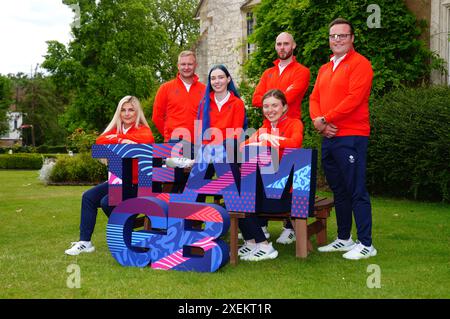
295 75
291 129
342 96
175 107
231 115
140 135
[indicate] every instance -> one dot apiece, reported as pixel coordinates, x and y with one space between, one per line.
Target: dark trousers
250 226
93 199
344 164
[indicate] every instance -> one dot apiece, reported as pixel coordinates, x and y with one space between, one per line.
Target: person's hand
127 141
329 131
319 124
254 144
273 139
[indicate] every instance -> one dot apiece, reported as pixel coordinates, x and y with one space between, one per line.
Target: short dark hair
342 21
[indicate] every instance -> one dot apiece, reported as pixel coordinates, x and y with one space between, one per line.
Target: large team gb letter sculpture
173 237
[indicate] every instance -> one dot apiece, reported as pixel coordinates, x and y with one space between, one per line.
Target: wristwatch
322 119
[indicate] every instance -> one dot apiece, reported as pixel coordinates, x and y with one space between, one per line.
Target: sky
25 26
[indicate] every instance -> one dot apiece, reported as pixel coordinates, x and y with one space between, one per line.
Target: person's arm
108 138
360 83
294 136
314 99
260 90
141 135
298 88
239 114
160 109
253 139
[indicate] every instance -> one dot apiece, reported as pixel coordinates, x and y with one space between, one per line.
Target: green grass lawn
37 223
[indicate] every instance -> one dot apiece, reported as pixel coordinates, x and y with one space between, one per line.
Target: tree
176 17
40 103
397 54
5 102
120 48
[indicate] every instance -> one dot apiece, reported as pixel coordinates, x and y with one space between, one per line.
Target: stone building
225 25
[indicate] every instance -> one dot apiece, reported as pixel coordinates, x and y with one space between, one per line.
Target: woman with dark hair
221 107
128 126
222 114
279 132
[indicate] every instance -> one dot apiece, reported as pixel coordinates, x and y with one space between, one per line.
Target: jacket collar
294 60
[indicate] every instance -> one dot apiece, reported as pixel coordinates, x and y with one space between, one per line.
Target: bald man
292 78
287 75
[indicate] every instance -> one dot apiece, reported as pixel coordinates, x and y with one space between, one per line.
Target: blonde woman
128 126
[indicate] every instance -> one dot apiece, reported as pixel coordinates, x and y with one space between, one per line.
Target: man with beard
289 76
292 78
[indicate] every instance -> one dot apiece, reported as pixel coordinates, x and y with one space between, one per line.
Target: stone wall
221 37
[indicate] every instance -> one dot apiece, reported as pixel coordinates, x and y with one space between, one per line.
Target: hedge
409 148
42 149
21 161
81 168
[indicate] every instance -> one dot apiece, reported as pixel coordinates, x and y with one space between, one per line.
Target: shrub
81 168
21 161
409 153
51 149
81 141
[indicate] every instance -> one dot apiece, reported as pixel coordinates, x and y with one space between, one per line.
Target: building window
250 28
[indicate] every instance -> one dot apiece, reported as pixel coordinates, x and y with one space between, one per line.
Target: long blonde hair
116 122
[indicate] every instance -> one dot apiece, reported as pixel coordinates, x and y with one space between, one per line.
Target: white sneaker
287 236
264 229
360 251
266 232
80 247
246 249
261 252
338 245
181 162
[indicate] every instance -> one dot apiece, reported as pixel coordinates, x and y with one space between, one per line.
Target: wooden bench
303 231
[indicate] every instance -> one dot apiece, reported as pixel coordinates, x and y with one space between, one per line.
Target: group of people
338 109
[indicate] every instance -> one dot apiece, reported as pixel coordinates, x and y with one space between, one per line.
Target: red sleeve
239 115
360 84
254 137
260 90
314 99
294 136
141 135
299 86
159 109
108 138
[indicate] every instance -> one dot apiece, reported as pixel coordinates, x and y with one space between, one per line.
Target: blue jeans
344 164
93 199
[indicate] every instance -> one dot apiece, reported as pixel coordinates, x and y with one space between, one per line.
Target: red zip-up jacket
291 129
231 115
293 82
175 107
342 96
141 135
